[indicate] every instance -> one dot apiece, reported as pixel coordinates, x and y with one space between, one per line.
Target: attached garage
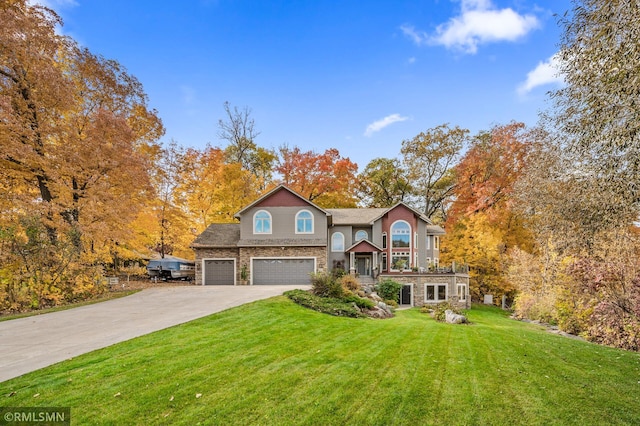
218 271
282 271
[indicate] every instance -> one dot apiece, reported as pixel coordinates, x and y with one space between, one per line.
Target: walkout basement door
219 272
284 271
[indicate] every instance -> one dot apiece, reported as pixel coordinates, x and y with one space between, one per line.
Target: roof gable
363 246
281 196
418 214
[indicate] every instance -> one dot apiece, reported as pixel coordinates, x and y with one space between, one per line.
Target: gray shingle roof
218 235
355 216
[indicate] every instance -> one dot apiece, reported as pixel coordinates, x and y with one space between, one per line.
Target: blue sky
360 76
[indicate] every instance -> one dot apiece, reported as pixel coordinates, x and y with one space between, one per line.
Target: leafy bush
440 308
389 289
350 282
338 272
325 285
327 305
391 303
360 302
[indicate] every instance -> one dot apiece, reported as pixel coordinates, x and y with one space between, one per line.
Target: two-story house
282 238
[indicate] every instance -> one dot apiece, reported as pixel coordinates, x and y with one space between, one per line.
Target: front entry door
363 265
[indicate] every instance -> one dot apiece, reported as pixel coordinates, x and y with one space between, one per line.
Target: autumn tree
238 130
482 226
212 190
76 135
326 179
428 159
597 112
486 175
383 183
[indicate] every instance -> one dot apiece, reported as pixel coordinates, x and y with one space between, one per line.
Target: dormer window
304 222
262 222
362 235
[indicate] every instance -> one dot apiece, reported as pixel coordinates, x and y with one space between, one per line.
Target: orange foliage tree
481 225
76 134
326 179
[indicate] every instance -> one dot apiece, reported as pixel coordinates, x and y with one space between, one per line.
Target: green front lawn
274 362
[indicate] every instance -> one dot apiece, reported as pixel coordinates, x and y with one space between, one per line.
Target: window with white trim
462 292
400 260
384 240
435 293
337 242
436 262
262 222
304 222
436 243
362 235
428 246
401 234
384 262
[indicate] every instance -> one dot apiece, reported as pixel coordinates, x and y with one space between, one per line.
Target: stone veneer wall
419 280
215 253
246 253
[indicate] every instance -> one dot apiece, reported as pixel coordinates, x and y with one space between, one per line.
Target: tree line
544 215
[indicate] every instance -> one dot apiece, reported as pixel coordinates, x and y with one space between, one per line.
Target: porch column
352 263
376 265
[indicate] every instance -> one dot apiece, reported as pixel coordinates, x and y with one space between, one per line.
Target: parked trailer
171 268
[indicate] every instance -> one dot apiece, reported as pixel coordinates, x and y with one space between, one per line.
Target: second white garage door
283 271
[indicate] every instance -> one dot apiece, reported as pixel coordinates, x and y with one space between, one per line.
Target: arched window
337 242
362 235
262 222
304 222
400 235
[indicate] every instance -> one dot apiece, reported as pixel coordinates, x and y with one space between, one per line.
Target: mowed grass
275 363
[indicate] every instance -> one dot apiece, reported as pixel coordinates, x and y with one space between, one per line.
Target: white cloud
376 126
479 22
546 72
418 37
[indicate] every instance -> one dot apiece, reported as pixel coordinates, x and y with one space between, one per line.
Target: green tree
597 112
383 183
428 158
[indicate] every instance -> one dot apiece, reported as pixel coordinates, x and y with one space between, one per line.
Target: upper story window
304 222
436 243
362 235
337 242
262 222
400 234
384 240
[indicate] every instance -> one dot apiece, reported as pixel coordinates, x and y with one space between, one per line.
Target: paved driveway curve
28 344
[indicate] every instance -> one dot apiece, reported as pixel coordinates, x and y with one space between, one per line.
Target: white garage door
282 271
219 272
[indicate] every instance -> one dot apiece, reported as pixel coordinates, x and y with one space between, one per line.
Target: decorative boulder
375 297
453 318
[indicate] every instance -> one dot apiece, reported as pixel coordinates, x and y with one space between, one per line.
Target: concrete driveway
28 344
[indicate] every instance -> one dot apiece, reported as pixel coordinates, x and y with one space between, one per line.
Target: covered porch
364 259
